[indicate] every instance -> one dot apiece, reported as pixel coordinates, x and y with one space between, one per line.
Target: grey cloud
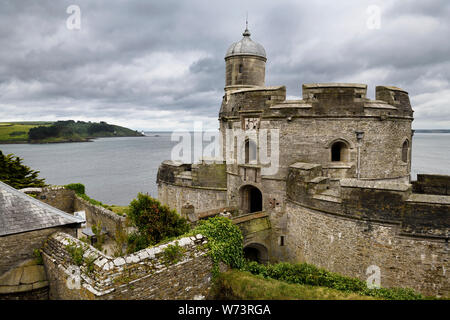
153 60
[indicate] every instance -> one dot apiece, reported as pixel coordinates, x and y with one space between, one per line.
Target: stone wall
67 201
96 214
142 275
350 245
202 198
57 197
432 184
209 175
252 73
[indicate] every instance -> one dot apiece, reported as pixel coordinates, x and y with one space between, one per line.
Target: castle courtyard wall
202 198
142 275
349 246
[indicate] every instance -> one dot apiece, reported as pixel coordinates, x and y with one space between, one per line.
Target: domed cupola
246 47
245 64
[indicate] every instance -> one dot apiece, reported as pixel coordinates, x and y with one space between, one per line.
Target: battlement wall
145 274
319 99
378 201
432 184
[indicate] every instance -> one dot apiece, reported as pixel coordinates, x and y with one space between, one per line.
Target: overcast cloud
159 65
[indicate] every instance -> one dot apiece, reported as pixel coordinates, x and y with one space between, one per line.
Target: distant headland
60 131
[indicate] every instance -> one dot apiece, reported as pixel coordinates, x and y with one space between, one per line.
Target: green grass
308 274
9 131
18 132
241 285
120 210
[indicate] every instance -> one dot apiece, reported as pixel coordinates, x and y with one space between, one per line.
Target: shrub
76 252
154 222
77 187
173 253
136 241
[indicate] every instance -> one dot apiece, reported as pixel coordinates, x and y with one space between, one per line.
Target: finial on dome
246 32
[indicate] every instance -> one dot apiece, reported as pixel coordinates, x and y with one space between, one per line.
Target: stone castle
341 197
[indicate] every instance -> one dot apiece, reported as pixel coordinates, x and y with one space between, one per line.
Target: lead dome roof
246 47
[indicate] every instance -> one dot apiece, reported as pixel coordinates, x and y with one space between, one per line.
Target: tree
154 222
18 175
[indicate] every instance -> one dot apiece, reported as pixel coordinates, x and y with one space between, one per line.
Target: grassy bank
240 285
60 131
17 132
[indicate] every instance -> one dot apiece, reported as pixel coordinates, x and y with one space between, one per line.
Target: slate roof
20 213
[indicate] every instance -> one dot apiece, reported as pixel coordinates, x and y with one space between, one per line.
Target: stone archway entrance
256 252
251 199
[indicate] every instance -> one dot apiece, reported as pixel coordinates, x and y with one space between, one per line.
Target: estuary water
114 170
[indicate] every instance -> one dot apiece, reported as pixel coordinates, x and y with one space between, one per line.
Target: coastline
65 141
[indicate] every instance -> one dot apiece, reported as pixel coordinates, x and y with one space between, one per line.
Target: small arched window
339 151
241 67
250 151
405 149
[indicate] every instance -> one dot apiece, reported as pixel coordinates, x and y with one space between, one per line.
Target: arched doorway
256 252
251 199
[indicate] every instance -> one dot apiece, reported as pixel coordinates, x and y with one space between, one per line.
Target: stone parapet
145 274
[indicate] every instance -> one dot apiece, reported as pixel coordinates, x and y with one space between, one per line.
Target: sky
159 65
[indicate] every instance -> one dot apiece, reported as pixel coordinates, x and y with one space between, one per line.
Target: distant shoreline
67 131
68 141
432 130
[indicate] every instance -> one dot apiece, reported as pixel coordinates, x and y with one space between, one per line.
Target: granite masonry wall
349 246
432 184
96 214
67 201
56 196
202 198
141 275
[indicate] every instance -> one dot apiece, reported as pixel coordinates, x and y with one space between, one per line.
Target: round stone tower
245 64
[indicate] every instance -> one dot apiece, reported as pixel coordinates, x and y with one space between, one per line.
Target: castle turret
245 64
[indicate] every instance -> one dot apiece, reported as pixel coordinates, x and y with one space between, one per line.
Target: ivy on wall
225 242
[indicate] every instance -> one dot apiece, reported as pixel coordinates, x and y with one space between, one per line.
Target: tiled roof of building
20 213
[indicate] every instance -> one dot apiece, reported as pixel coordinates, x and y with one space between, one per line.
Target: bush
173 254
136 241
77 187
154 222
76 252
